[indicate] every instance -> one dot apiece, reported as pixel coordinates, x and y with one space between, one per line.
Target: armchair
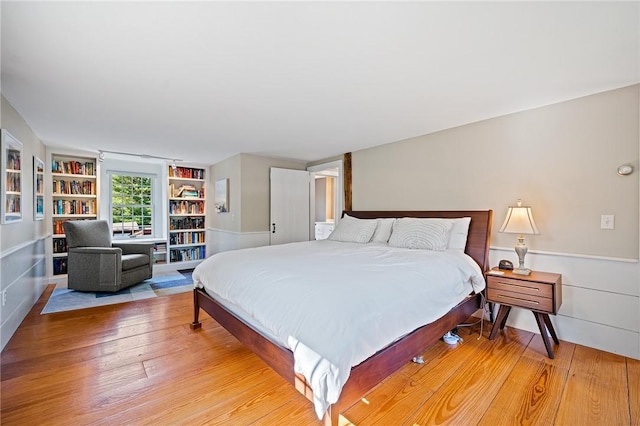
95 263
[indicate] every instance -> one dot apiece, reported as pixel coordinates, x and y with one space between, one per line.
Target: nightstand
540 292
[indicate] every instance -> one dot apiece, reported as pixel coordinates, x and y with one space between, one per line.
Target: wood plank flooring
140 364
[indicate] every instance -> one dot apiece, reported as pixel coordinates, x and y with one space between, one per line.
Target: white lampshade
519 220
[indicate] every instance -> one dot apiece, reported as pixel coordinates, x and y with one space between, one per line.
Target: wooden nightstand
540 292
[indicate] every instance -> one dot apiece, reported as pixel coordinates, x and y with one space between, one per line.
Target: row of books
186 238
13 159
183 255
186 207
13 182
39 185
12 204
186 172
185 191
59 265
160 247
60 244
73 167
57 227
73 187
74 207
186 223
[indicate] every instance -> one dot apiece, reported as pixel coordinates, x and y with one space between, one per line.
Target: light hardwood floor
139 363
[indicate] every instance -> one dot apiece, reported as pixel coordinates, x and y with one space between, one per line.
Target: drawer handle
516 298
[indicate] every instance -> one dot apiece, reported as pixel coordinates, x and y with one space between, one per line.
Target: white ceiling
202 81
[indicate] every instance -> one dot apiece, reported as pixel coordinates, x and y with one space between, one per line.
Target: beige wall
28 229
227 169
560 159
249 191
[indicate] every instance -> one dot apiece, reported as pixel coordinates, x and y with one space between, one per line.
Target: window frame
153 214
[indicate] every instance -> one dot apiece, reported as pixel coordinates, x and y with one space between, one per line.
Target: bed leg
196 324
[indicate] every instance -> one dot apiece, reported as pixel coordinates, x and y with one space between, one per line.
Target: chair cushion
132 261
87 233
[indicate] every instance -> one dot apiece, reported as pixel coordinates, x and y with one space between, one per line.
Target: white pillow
426 234
352 230
383 230
458 233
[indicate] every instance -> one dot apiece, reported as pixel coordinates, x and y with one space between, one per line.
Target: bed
369 356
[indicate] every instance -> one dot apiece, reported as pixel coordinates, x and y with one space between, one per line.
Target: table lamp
519 221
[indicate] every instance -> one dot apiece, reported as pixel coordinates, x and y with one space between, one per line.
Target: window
131 205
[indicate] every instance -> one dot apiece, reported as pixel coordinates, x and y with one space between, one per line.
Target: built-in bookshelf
74 197
187 214
38 184
11 179
160 253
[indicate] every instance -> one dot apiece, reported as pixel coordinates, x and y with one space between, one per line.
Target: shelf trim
72 175
74 215
183 178
83 196
178 246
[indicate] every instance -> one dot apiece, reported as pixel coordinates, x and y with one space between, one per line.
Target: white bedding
334 304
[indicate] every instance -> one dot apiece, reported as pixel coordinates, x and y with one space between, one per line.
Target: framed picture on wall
222 196
11 179
38 188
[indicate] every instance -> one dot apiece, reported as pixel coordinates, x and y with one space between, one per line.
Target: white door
289 205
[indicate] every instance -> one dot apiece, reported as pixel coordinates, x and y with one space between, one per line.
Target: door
289 205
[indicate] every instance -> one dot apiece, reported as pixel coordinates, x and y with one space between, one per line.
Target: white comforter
335 304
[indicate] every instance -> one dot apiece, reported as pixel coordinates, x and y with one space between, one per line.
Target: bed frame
375 369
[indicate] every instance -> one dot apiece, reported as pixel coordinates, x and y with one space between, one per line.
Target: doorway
326 198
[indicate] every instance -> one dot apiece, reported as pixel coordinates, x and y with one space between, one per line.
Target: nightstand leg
543 333
500 321
506 315
547 321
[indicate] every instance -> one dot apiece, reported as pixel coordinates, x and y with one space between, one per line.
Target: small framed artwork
38 188
11 179
222 196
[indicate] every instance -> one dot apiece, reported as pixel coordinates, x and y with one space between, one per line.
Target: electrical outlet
607 221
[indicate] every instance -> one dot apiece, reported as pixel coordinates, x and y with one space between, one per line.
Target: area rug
162 284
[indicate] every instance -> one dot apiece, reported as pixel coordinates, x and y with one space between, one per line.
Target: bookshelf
160 253
38 185
187 216
74 197
11 178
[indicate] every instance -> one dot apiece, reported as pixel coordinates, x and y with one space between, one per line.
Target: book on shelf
186 172
74 207
72 187
73 167
187 191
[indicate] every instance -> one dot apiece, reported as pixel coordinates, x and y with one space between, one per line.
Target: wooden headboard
478 239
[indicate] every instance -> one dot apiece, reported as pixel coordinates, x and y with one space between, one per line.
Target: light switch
607 221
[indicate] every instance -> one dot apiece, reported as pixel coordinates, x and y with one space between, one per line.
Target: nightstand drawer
519 299
532 288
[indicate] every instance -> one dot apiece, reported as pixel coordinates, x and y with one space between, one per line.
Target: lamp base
519 271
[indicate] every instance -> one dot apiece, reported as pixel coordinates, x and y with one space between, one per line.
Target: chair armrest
134 247
94 268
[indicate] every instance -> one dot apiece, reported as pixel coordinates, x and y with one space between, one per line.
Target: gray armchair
95 263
